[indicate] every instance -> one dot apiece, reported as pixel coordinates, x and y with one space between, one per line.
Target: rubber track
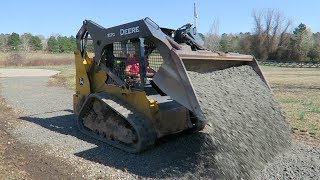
143 128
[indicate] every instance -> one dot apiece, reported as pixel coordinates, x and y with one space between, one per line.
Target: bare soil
23 161
57 80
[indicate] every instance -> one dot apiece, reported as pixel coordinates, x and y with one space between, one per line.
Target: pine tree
35 43
14 41
301 43
53 45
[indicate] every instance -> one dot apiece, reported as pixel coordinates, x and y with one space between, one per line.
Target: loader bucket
173 78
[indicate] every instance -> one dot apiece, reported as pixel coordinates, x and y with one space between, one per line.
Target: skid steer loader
135 88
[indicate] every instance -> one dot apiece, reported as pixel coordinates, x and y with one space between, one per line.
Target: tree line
28 42
272 38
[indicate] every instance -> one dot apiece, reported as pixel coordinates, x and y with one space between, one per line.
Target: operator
133 65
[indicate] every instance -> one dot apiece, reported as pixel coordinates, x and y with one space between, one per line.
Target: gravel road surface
26 72
48 122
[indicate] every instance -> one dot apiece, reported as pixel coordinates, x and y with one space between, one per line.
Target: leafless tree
25 38
270 29
3 42
212 38
314 53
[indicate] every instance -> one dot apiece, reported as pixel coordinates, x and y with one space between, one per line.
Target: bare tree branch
212 38
269 32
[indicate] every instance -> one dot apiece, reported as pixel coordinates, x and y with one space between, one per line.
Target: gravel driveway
48 122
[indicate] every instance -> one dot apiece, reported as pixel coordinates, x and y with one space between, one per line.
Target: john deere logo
128 31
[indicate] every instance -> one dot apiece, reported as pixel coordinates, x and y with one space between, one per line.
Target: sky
65 17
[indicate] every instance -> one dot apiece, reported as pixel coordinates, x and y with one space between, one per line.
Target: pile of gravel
246 127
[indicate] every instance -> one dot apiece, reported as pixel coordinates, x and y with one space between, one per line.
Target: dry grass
293 77
298 91
60 62
34 59
66 77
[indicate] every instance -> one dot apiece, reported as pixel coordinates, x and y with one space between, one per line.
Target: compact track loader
135 88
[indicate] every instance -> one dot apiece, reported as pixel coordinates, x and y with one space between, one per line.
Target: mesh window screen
125 62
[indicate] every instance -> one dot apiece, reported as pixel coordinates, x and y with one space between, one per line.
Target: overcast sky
65 16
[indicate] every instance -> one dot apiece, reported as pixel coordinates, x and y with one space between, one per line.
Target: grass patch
298 91
292 78
301 115
315 109
289 100
66 77
307 102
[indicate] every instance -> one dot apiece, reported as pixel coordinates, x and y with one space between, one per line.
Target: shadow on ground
173 157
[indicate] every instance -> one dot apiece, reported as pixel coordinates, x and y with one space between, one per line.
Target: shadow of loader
173 156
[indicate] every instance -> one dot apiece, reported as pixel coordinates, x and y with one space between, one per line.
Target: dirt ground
23 161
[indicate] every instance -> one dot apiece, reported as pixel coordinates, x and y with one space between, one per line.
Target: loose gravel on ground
48 122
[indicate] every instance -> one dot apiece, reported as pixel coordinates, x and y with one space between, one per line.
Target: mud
245 128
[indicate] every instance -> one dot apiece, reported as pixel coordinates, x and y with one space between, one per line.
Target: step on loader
132 82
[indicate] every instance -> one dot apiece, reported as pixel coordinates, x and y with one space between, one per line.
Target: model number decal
127 31
109 35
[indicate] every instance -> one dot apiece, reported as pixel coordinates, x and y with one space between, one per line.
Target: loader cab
134 61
